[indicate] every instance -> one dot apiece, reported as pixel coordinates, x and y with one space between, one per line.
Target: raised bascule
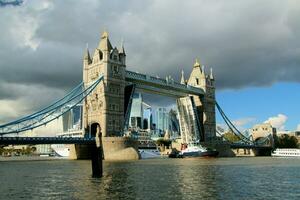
106 94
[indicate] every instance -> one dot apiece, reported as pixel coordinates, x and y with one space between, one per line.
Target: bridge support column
97 162
97 156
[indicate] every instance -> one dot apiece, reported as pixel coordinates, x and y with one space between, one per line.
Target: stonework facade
260 132
105 105
206 104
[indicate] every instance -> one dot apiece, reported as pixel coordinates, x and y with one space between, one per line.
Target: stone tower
105 105
206 104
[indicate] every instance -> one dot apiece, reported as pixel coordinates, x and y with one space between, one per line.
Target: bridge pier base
97 155
97 162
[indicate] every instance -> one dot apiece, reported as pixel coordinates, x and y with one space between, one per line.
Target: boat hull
200 154
149 153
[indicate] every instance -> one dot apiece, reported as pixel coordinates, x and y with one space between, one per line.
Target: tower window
101 55
116 69
197 81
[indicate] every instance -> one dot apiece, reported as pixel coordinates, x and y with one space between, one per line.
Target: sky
253 47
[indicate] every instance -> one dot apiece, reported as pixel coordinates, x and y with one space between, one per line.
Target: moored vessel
286 153
196 150
63 150
149 153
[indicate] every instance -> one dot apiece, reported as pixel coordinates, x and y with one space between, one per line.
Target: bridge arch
264 141
93 129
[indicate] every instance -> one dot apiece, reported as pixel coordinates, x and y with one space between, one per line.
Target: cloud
278 121
243 121
51 129
42 42
24 99
298 127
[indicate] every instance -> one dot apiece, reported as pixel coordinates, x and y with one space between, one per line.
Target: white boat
63 150
286 153
196 150
149 153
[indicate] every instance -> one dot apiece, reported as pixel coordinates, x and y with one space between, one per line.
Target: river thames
221 178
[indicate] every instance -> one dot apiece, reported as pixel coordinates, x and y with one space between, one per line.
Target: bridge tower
205 104
105 105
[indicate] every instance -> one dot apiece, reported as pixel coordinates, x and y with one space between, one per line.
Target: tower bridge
106 93
109 104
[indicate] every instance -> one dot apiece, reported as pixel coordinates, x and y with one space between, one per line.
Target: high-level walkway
167 87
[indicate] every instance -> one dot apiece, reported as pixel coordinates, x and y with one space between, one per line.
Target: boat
149 153
286 153
63 150
146 146
196 150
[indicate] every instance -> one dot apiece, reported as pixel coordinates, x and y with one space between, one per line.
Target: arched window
100 55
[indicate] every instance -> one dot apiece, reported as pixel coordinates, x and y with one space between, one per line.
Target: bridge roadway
46 140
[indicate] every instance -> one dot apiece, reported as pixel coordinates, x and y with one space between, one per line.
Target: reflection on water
223 178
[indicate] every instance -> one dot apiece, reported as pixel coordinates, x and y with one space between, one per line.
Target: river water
220 178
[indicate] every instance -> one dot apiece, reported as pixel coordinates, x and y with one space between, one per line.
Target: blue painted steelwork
244 141
51 112
250 146
46 140
144 81
232 127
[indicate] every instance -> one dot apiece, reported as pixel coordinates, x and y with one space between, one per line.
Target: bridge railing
163 82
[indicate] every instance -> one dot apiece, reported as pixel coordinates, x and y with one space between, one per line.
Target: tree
164 142
286 141
231 137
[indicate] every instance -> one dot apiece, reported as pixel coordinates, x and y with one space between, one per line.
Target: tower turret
205 104
197 63
211 76
104 44
87 58
105 106
122 54
86 62
182 81
102 52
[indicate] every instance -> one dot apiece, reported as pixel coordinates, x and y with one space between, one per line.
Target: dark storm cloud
248 43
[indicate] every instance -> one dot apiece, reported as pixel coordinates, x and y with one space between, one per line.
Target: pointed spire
197 63
122 50
105 44
211 76
203 71
87 55
104 34
182 81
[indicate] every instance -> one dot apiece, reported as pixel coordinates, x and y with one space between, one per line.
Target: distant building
43 149
136 113
162 120
72 118
147 116
261 131
174 124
